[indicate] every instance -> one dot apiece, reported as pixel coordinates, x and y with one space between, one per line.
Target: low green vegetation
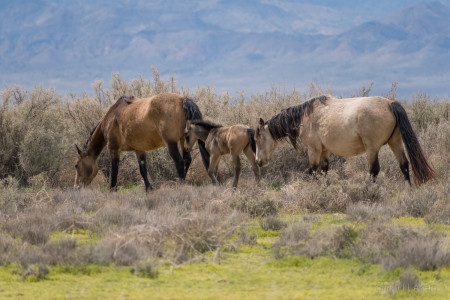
248 271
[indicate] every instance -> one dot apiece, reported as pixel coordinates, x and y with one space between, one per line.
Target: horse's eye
76 166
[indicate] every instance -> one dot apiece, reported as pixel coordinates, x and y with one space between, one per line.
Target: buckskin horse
220 140
346 127
139 125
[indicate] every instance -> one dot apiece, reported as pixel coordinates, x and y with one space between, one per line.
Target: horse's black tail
193 113
251 137
421 169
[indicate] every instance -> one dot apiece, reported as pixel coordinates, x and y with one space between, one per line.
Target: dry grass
178 223
173 223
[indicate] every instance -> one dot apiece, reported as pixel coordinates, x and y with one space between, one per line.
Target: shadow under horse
139 125
220 140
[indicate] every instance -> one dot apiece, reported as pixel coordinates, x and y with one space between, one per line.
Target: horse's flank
142 124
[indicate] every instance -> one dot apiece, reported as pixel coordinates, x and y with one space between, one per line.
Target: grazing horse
220 140
345 127
139 125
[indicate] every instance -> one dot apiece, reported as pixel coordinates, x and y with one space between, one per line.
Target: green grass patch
409 221
83 237
240 275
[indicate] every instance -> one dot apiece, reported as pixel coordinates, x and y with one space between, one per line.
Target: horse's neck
203 133
97 142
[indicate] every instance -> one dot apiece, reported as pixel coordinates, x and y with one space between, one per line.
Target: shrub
257 208
427 252
418 202
298 240
272 223
145 269
409 280
246 238
439 212
34 226
39 272
366 212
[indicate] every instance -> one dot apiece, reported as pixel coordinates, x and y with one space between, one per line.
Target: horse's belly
348 152
144 143
345 146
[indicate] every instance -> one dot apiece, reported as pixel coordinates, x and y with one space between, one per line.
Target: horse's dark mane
85 147
287 122
126 99
206 124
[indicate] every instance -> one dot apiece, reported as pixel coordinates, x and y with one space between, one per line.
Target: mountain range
232 45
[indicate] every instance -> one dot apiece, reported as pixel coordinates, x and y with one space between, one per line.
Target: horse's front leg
142 161
237 169
314 160
115 159
251 158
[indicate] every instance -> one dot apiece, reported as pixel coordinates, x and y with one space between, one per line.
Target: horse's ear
188 124
78 150
261 122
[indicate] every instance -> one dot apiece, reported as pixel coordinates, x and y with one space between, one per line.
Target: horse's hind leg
176 156
187 161
237 169
115 159
251 158
396 145
213 168
143 169
187 158
374 164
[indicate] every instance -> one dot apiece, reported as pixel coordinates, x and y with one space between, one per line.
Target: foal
221 140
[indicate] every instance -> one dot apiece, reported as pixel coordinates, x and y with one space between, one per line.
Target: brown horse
221 140
139 125
346 127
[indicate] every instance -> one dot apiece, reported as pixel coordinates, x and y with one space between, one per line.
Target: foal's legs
213 168
143 169
176 156
251 158
396 145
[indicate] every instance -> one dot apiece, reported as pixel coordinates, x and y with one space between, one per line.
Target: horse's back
347 127
149 123
238 137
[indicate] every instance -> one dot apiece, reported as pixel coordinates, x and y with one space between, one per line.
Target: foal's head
86 167
265 144
190 136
